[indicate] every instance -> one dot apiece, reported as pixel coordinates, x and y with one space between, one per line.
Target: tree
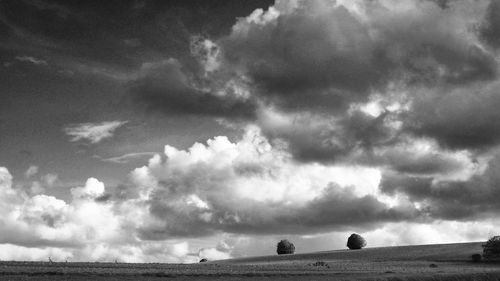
491 250
285 247
356 242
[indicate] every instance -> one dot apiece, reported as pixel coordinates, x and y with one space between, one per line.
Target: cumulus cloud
336 79
93 132
253 186
359 116
41 226
326 55
238 189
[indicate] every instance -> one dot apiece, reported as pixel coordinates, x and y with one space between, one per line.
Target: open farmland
449 262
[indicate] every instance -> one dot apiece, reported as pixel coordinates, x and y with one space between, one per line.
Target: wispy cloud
126 158
93 132
32 60
32 170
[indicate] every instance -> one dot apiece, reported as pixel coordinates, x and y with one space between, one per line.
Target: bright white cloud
93 132
208 190
40 226
92 189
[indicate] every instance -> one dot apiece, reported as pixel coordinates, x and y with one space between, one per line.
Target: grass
424 262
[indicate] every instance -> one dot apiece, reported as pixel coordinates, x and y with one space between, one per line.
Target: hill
424 262
430 252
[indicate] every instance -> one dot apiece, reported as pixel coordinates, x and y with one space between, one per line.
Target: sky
170 131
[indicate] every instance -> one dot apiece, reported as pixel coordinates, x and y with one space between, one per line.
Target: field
425 262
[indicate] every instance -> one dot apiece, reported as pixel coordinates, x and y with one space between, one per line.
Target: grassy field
425 262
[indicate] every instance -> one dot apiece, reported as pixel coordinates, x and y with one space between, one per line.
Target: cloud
334 80
40 226
317 68
232 191
421 157
166 87
32 170
93 132
490 27
40 185
253 186
450 199
92 189
323 55
320 137
49 180
32 60
126 158
377 117
462 118
207 52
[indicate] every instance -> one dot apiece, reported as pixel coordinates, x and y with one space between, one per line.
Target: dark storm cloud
324 56
315 61
450 199
321 138
103 198
166 88
301 61
490 28
415 186
295 61
336 208
463 118
410 162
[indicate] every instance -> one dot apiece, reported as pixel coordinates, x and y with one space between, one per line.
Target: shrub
356 242
476 257
203 260
320 263
285 247
491 249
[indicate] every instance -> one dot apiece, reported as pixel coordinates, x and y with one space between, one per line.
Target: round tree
356 242
285 247
491 249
